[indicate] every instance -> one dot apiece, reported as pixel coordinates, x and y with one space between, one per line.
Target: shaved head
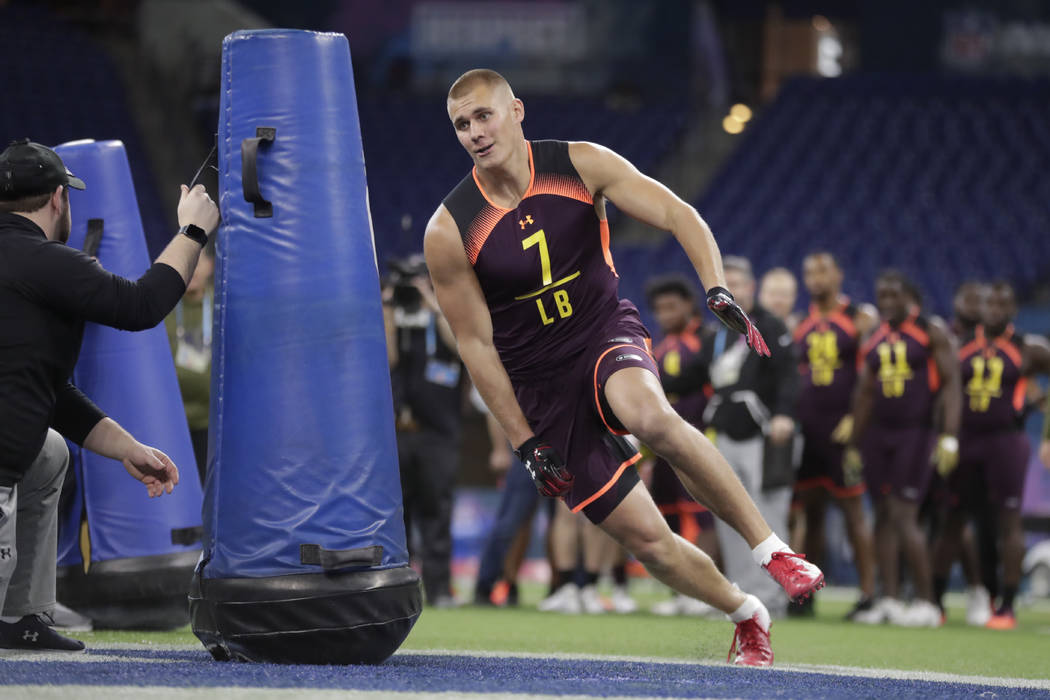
479 76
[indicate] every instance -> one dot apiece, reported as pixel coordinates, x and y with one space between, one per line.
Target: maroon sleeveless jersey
827 347
673 354
993 386
906 377
544 267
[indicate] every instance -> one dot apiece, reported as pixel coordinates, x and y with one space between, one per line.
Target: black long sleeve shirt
772 380
47 291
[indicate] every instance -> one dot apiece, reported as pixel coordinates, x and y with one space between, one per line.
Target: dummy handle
93 237
186 536
329 559
250 170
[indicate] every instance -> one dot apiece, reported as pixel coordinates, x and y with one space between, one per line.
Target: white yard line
113 652
898 674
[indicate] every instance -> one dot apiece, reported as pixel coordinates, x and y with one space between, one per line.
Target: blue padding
71 511
303 447
130 376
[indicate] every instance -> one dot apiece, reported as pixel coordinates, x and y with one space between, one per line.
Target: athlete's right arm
459 295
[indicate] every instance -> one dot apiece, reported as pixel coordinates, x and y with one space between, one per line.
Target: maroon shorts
569 410
992 469
675 502
822 461
897 461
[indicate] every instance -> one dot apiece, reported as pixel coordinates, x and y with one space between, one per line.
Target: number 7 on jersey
561 297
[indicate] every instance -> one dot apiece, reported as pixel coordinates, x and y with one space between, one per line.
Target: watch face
196 233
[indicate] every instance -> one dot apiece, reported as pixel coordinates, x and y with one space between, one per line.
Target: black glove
721 303
546 467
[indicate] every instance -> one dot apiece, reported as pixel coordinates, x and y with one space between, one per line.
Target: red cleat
751 642
1002 620
798 577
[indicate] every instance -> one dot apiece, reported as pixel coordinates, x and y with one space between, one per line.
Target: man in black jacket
47 291
752 414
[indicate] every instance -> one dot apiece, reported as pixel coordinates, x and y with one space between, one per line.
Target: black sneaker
802 608
863 605
32 633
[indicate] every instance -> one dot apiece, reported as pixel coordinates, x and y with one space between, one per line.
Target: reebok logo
629 356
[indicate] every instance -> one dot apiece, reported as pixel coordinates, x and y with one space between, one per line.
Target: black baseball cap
28 169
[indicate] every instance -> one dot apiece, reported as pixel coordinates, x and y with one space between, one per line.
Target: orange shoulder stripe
844 322
872 342
933 377
970 348
479 231
805 327
663 346
561 185
915 332
603 227
1020 393
1010 349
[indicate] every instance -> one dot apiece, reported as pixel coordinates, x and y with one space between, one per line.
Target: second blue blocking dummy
125 560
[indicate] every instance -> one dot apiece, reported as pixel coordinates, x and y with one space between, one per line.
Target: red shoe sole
799 597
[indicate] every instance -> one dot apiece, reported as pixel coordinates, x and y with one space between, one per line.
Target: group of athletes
923 414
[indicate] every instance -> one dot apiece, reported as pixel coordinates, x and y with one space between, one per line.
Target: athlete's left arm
608 174
941 347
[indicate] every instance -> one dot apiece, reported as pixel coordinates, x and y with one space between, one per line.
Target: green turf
825 639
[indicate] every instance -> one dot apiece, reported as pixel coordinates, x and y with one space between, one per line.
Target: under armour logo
30 636
526 220
5 552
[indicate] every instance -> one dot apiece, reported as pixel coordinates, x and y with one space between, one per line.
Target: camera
401 277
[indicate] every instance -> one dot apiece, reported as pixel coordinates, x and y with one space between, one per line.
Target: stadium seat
938 176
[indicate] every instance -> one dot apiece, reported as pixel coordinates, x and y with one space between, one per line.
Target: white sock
763 553
10 620
748 609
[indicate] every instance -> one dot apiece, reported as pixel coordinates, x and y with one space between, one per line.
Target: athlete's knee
656 425
652 546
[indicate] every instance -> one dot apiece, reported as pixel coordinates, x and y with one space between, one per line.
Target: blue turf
436 673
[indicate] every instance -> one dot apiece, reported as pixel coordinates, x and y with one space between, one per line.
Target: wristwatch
196 233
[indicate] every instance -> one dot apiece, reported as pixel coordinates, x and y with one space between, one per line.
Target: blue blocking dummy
125 559
304 542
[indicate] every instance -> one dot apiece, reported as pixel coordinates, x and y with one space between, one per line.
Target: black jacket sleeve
72 282
784 363
75 414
